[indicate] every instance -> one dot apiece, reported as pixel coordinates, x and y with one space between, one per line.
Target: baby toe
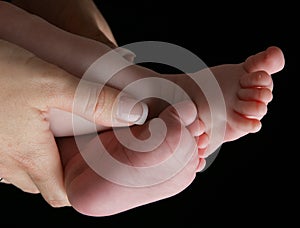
263 95
271 60
251 109
197 128
202 141
244 124
257 79
201 165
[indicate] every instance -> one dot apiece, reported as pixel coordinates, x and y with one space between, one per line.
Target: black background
253 180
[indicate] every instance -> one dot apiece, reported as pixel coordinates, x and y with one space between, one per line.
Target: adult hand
29 87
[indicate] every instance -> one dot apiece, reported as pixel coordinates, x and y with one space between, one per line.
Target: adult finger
40 160
95 102
20 179
44 168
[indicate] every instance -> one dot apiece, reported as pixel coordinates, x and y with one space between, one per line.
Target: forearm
51 10
42 38
72 16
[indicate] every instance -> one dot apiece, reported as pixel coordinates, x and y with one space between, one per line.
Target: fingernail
127 54
131 111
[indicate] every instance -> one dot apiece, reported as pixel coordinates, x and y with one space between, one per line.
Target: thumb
107 106
100 104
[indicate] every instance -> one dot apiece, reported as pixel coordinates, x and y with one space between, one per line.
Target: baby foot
247 90
95 195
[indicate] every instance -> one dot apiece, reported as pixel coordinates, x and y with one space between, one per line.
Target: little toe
263 95
271 60
257 79
201 165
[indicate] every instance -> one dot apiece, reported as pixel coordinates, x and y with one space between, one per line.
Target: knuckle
104 105
90 99
100 106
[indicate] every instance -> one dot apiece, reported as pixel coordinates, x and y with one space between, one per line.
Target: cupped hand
29 87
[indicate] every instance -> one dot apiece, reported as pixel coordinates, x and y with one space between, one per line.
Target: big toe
271 60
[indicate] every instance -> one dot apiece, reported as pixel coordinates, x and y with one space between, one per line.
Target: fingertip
144 115
129 111
59 203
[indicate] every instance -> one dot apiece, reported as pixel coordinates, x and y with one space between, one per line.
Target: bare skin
29 86
247 89
94 195
76 16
